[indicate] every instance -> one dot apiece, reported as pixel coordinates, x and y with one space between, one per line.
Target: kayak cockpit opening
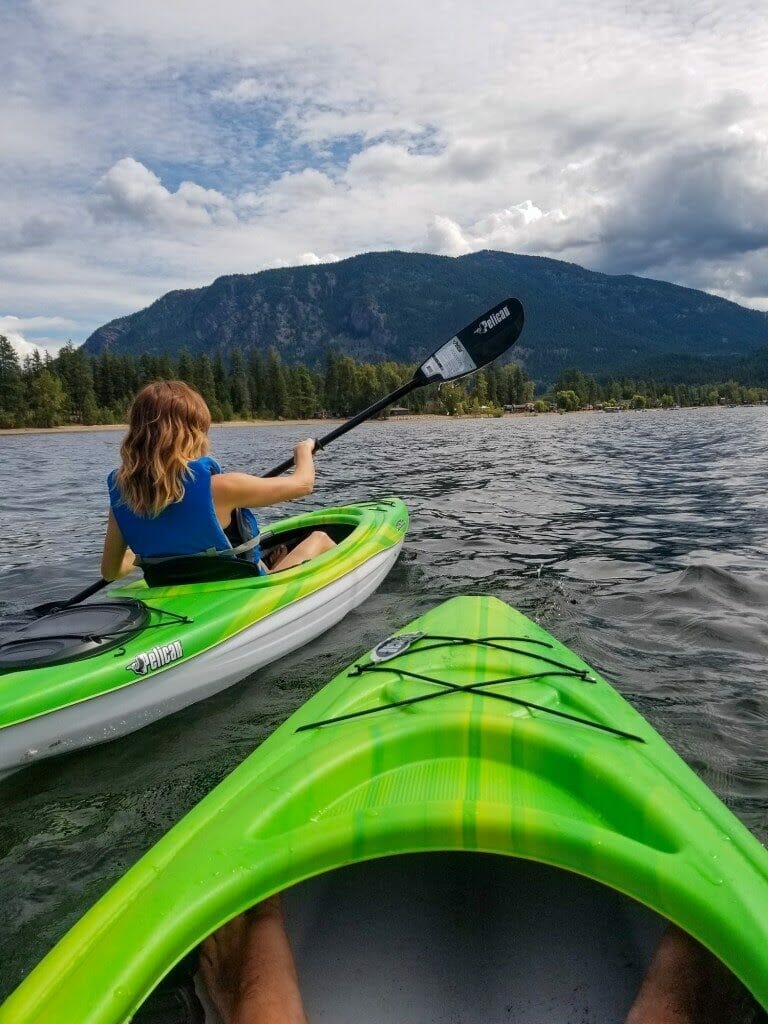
447 937
209 569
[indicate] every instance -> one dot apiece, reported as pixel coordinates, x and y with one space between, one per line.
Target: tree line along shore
75 388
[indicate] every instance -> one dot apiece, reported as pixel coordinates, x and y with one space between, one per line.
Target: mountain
397 305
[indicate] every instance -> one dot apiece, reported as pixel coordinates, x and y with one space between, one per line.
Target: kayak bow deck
481 734
198 638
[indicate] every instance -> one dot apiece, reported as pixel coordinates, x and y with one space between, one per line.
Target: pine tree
11 388
239 393
331 388
220 380
46 401
206 385
74 368
346 399
104 379
255 378
304 393
481 397
186 369
164 367
276 388
368 387
147 369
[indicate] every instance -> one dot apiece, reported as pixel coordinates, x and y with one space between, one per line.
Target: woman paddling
169 498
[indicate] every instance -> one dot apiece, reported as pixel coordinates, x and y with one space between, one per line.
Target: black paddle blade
477 344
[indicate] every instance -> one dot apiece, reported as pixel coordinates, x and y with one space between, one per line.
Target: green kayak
550 835
96 671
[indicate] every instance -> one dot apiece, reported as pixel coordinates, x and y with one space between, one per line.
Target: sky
150 146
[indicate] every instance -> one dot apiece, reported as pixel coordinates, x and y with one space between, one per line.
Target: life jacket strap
234 552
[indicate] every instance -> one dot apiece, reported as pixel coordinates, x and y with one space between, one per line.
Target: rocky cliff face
400 306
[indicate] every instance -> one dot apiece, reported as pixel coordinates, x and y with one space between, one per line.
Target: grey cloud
32 233
693 202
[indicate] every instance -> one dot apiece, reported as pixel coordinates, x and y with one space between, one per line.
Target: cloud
446 237
500 229
312 259
693 201
30 233
14 329
129 190
247 90
289 191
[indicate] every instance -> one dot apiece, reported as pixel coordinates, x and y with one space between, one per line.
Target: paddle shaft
51 606
353 421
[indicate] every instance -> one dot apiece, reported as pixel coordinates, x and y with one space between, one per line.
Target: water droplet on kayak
710 872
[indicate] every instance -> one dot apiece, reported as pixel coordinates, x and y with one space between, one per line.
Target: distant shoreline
79 428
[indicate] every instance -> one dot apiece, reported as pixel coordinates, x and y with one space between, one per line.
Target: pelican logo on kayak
158 657
493 321
394 646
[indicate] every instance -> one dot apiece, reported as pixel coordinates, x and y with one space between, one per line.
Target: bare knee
321 541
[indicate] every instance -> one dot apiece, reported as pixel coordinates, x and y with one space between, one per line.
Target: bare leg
248 969
685 984
312 546
668 992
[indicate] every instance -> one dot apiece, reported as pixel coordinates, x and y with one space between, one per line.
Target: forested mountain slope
397 306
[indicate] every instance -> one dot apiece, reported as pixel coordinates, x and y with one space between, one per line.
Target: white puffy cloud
446 237
15 328
130 190
312 259
501 229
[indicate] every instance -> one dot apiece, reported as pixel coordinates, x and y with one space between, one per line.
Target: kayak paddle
472 348
475 345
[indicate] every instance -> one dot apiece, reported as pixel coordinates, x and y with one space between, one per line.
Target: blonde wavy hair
168 425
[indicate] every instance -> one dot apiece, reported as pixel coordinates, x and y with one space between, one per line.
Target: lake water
639 539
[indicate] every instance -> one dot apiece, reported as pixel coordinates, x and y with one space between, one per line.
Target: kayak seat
197 569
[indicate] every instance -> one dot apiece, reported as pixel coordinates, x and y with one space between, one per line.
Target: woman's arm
117 559
241 490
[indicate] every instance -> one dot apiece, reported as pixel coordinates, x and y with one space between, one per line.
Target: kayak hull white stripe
129 708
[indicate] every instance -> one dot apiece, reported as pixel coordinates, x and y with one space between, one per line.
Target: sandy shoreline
78 428
319 425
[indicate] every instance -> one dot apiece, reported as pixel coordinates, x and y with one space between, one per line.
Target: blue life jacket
188 526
